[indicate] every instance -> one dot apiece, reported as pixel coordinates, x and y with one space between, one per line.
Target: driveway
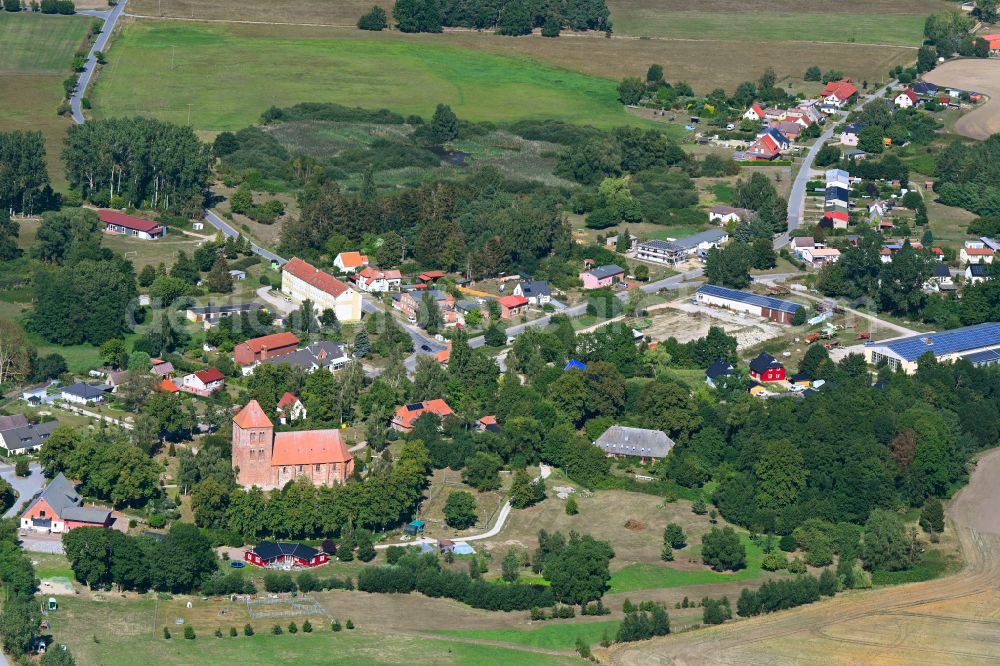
42 543
26 487
277 302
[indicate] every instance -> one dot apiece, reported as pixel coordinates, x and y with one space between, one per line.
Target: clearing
38 51
951 620
974 74
686 321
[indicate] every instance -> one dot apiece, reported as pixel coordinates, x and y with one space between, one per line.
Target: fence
277 607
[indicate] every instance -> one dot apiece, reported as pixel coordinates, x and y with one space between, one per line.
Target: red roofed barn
262 457
255 350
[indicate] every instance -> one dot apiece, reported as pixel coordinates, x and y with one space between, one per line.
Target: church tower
253 445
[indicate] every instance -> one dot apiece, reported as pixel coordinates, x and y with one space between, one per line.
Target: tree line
506 17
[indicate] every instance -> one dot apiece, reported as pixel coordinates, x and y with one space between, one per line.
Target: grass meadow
225 77
37 53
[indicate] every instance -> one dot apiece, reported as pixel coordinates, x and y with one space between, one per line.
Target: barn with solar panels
979 344
767 307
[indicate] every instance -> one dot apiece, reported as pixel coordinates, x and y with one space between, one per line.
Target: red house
512 306
284 555
127 225
60 509
766 368
253 351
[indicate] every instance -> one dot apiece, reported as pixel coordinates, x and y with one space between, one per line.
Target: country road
950 620
110 18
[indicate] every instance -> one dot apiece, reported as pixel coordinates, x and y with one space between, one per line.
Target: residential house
766 368
19 437
623 442
251 352
350 262
782 141
975 273
837 195
290 408
162 368
612 241
838 178
975 252
302 281
721 368
127 225
924 88
204 382
487 423
212 314
322 354
800 243
818 256
767 307
993 39
512 306
850 135
407 415
726 214
59 509
854 155
788 128
284 555
38 396
836 219
603 276
765 148
262 457
755 113
374 280
906 99
409 302
84 394
429 277
237 275
662 252
463 308
838 93
941 279
773 114
537 292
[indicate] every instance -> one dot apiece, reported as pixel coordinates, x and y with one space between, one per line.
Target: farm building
407 415
622 441
268 459
284 555
979 344
774 309
766 368
59 508
302 281
127 225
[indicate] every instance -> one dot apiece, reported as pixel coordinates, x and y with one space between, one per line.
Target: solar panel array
947 342
988 357
747 297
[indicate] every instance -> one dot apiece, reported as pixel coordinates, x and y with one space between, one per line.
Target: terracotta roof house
374 280
59 508
906 99
350 262
127 225
262 457
755 112
764 148
302 281
251 352
290 408
204 382
622 441
167 385
512 306
407 415
838 93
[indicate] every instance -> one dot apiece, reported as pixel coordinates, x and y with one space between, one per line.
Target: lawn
38 51
215 74
548 636
129 634
650 576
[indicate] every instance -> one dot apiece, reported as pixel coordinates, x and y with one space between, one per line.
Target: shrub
277 630
774 561
293 628
335 626
571 507
166 633
21 467
189 633
715 611
247 629
307 627
797 566
275 581
787 543
349 624
232 632
667 553
722 550
218 632
673 534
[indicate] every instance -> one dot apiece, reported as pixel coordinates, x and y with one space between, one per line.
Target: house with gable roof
302 281
59 508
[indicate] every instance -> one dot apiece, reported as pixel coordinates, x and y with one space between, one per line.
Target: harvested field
978 75
951 620
686 321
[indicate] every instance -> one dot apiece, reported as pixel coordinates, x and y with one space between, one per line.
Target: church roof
252 416
309 447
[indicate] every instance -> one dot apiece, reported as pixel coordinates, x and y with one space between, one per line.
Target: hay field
37 53
978 75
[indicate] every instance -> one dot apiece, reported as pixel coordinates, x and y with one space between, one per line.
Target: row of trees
775 595
507 17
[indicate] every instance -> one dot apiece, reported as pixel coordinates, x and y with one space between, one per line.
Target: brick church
262 457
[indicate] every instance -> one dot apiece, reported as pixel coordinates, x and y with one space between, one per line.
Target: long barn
767 307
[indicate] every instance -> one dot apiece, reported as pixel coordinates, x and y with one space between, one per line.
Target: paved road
26 487
229 232
110 18
797 198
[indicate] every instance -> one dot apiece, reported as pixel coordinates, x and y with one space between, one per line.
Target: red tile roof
252 416
512 301
431 275
352 259
408 414
209 375
286 400
909 93
168 385
273 341
979 251
842 89
128 221
837 215
311 275
309 447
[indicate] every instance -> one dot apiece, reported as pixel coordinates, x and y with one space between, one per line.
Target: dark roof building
284 555
745 301
721 368
59 508
961 343
766 368
322 354
28 437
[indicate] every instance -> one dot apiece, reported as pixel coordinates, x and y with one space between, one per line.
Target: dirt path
952 620
979 75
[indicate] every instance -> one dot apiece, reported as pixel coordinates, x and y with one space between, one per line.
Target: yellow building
302 281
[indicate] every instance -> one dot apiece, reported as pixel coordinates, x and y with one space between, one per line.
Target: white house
817 256
350 262
83 394
536 291
754 113
976 252
204 382
906 99
850 135
374 281
723 215
974 273
290 408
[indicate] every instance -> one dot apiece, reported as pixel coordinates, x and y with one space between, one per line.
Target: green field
225 77
548 636
37 53
652 576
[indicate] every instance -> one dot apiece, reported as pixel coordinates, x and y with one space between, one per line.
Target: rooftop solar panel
747 297
946 342
983 357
